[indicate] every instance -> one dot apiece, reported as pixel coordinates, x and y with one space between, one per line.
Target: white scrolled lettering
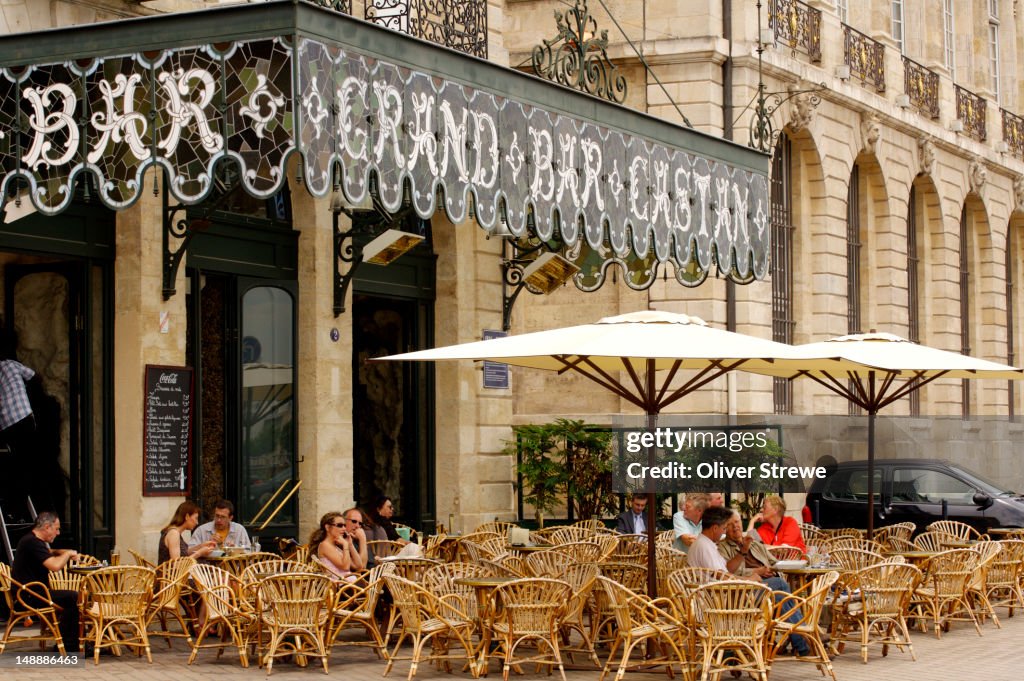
178 85
542 184
453 146
590 150
485 137
253 108
389 117
43 124
352 94
125 125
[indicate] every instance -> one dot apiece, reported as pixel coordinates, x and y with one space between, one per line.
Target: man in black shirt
35 560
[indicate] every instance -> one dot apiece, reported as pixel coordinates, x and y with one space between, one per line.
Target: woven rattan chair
141 559
734 619
977 588
166 602
812 534
225 609
684 581
899 530
897 545
581 577
851 560
962 531
298 606
462 553
355 605
839 543
581 551
427 619
384 548
942 596
571 534
498 527
933 541
841 532
639 619
236 565
785 552
29 602
608 544
412 568
440 581
529 610
632 548
666 562
877 614
65 579
436 547
550 563
510 564
116 600
664 539
810 601
602 619
1005 574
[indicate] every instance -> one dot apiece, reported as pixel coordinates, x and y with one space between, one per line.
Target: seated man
221 530
34 560
754 554
633 520
686 523
705 553
362 558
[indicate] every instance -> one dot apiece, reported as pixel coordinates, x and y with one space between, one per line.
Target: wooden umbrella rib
916 383
700 380
668 379
641 388
601 377
833 384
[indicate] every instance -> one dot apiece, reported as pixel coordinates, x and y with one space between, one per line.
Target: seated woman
172 540
333 547
380 524
776 528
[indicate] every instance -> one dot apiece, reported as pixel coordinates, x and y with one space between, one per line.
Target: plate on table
216 553
790 564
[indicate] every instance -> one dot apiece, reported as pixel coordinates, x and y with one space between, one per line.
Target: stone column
138 304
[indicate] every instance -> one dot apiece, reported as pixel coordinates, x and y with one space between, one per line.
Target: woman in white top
333 546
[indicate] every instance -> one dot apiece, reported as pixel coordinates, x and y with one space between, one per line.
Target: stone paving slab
961 653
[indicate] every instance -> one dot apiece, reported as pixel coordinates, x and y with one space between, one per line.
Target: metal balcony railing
865 56
922 87
797 25
972 111
458 24
1013 133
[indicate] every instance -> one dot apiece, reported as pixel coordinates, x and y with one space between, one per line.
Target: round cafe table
803 575
483 586
913 557
1006 531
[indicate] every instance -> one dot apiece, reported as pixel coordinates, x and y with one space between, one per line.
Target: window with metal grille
949 44
782 228
897 23
913 302
853 260
1011 304
965 304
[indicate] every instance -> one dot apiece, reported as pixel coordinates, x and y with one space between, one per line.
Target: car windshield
983 485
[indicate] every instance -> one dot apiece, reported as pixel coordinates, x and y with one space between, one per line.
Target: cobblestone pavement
960 654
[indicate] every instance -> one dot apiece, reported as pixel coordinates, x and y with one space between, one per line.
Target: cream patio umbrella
873 370
637 356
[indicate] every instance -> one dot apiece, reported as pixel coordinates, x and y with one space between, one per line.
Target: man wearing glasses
354 530
222 530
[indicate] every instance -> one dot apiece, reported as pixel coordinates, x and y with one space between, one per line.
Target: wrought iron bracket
512 268
179 230
346 249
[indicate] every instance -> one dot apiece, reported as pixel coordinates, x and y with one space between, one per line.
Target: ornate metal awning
371 110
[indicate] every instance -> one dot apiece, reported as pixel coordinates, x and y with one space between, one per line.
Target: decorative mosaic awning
370 110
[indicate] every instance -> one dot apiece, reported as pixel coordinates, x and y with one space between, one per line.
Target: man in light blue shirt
686 523
221 530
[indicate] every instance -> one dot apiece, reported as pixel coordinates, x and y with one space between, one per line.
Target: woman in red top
776 528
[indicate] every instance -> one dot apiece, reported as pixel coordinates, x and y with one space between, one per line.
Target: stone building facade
920 160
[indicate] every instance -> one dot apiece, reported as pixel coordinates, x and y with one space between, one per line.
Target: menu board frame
152 374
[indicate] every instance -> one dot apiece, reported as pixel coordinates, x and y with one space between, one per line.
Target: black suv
912 490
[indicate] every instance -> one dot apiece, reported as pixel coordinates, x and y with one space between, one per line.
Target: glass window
993 55
897 23
925 486
268 383
948 39
851 485
843 6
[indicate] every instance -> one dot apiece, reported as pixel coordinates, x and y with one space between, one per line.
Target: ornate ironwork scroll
796 25
458 24
922 86
865 56
343 6
973 111
578 58
1013 133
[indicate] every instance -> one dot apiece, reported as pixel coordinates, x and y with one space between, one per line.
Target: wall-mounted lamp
903 101
956 125
842 72
390 246
539 275
18 207
767 37
548 272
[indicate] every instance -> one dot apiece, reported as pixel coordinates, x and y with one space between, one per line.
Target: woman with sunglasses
332 546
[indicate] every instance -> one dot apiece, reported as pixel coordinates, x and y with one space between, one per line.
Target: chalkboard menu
167 432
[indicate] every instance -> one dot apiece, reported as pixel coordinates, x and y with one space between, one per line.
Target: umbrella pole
652 530
871 472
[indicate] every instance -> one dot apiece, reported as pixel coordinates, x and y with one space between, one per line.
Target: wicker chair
632 548
426 618
640 619
902 531
440 581
897 545
29 602
581 551
225 608
668 561
550 563
236 565
810 601
258 571
529 610
384 548
1003 587
977 588
735 619
962 531
602 619
510 564
683 582
571 534
412 569
851 560
812 534
664 539
933 541
117 599
355 605
299 605
785 552
592 524
839 543
437 547
942 596
841 532
496 526
166 602
878 614
581 578
140 559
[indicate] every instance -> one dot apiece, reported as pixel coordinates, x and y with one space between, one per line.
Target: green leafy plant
542 474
